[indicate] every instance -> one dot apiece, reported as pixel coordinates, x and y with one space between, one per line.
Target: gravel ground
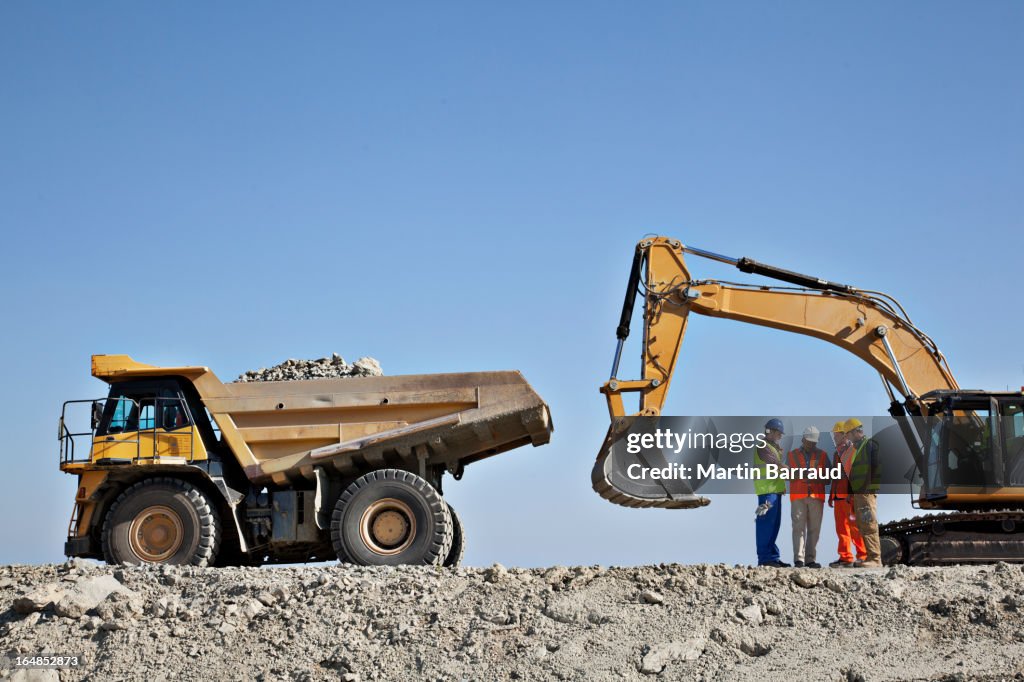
669 622
323 368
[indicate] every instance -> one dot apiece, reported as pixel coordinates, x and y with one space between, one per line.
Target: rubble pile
667 622
323 368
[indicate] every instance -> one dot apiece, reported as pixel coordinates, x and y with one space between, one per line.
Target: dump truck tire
161 520
391 517
458 549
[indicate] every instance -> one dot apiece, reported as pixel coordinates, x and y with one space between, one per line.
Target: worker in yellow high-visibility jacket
864 475
770 491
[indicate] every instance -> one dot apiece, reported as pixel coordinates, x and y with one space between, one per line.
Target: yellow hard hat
851 424
840 427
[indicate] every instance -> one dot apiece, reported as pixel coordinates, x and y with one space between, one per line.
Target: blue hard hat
775 424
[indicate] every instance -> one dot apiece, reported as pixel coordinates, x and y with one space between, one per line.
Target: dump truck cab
175 466
150 419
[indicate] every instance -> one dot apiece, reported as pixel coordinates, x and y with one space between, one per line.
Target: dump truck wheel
458 549
161 521
391 517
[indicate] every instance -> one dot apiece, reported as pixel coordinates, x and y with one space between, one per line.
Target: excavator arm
871 325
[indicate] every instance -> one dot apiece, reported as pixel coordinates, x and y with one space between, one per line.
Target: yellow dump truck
177 467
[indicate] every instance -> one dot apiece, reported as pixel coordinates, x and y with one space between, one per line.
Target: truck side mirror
97 413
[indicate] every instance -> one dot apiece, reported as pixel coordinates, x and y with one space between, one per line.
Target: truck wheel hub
156 533
387 526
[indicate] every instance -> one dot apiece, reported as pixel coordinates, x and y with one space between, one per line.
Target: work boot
868 564
798 564
813 564
775 564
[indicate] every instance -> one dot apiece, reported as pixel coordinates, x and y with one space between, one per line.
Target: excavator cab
974 450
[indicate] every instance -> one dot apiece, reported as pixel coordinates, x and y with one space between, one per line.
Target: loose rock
330 621
752 646
38 599
805 579
333 367
659 656
87 594
752 614
652 597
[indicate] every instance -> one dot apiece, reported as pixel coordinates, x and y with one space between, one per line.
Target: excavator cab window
970 452
933 477
1012 418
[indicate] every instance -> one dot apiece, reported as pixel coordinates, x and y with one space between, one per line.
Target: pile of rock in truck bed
323 368
667 622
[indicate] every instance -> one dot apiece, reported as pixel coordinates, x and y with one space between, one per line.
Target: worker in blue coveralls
768 517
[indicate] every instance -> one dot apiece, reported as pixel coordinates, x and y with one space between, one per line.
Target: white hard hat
811 434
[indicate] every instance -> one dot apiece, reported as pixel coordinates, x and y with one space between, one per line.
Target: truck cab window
122 418
147 416
126 413
173 415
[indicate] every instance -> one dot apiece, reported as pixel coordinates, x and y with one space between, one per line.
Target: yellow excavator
967 445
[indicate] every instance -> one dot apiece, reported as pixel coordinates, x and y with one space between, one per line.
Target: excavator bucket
611 477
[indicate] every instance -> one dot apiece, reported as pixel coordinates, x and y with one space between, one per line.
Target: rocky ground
323 368
669 622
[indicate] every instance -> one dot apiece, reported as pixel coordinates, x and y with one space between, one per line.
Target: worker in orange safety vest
841 501
807 498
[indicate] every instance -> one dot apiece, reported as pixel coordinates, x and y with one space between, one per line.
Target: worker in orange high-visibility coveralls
807 498
841 501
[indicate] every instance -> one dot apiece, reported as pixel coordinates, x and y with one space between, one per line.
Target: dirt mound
323 368
674 622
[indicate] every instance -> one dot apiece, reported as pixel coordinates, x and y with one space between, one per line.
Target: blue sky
458 186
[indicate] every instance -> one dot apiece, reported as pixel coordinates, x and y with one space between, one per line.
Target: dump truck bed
356 424
282 431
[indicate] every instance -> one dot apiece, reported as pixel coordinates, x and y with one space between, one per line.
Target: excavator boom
870 325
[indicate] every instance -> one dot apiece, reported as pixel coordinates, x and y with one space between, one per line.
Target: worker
863 472
768 517
807 497
840 501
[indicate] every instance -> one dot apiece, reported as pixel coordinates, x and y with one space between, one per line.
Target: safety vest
841 488
863 477
764 485
800 488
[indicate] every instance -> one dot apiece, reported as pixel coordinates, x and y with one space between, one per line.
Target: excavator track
954 538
